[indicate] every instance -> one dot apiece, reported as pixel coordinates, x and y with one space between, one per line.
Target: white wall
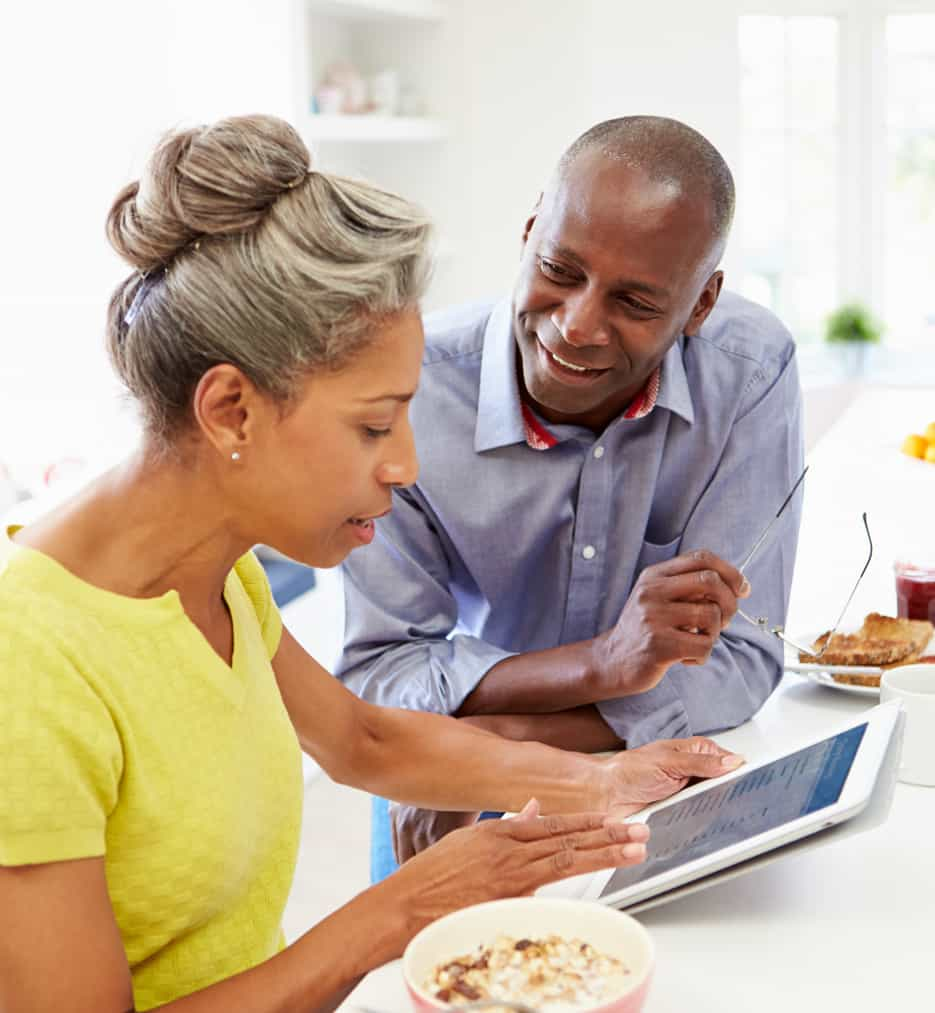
538 74
86 89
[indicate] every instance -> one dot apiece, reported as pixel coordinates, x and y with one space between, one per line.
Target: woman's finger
563 864
611 832
692 763
552 825
530 810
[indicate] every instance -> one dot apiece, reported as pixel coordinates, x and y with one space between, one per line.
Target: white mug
914 687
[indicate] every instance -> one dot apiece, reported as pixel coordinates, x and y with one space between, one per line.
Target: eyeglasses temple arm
860 578
749 556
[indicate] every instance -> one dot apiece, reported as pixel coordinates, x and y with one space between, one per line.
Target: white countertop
849 925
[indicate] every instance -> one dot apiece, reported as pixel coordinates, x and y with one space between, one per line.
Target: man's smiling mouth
573 367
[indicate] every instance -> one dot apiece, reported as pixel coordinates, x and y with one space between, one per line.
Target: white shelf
381 10
374 128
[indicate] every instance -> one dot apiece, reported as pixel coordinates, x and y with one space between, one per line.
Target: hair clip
299 180
149 278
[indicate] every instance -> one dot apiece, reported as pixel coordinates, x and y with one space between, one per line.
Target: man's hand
654 772
414 830
674 614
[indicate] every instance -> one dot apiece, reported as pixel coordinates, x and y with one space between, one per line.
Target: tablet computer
714 825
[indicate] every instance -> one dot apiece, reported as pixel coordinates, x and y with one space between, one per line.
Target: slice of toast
882 642
858 649
916 632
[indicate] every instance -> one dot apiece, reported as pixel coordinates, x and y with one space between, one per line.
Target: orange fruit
930 432
930 453
915 446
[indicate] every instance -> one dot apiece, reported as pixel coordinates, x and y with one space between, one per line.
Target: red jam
915 592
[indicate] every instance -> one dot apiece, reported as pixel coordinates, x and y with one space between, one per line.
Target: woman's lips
363 530
364 527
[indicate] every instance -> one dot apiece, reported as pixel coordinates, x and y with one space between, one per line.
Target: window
909 200
787 199
836 188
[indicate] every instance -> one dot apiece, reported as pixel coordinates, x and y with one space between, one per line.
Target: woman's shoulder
252 578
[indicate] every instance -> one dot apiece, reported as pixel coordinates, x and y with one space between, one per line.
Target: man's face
613 271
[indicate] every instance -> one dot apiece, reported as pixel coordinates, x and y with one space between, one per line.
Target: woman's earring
235 456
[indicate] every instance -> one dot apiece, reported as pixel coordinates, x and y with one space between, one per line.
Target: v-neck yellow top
124 734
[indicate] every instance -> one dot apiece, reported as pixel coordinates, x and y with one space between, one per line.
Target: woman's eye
376 434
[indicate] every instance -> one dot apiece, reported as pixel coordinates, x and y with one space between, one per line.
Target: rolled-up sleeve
401 644
761 460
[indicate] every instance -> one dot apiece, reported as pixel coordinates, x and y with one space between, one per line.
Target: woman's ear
226 405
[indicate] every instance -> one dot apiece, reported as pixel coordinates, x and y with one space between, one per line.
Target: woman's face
326 469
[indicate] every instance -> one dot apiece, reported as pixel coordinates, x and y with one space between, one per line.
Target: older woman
153 705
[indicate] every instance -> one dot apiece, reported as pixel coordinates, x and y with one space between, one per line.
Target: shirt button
589 552
598 452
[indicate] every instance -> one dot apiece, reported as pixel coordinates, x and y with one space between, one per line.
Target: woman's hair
244 255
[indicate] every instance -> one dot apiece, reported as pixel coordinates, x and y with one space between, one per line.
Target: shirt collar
674 393
499 408
499 412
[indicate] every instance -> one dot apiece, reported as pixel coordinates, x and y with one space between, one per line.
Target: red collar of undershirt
539 438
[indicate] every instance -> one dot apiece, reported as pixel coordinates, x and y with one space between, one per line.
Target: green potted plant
852 329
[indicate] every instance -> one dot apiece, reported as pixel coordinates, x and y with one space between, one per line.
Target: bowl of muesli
550 954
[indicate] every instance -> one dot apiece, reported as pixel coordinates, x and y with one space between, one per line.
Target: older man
598 454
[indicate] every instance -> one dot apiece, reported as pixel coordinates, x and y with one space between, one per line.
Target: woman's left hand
637 777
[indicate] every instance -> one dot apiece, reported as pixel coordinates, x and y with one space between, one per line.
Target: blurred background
825 110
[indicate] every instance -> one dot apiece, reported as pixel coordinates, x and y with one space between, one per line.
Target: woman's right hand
511 858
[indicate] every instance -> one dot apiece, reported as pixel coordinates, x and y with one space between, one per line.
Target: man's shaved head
670 153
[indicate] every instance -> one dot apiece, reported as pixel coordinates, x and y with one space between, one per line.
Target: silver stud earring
235 456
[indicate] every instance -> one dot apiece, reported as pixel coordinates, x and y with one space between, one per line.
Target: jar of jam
915 591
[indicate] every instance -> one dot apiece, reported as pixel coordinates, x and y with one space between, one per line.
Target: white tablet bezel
855 794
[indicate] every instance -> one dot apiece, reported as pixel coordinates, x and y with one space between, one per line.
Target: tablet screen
761 800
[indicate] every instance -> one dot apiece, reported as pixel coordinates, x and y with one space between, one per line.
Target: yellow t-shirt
123 734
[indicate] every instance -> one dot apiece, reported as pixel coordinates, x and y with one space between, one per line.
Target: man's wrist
596 667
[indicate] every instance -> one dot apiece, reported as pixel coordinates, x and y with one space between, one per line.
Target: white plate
825 678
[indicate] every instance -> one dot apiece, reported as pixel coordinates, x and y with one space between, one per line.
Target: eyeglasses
761 622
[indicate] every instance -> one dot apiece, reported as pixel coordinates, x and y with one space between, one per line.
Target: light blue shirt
502 549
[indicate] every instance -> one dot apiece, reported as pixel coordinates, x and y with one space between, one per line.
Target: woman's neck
149 525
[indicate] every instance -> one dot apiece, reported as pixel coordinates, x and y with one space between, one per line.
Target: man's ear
705 303
225 407
530 221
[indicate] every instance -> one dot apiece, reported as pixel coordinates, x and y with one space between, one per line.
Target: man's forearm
537 682
582 729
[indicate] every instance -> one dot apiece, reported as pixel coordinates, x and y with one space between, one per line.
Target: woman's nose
402 467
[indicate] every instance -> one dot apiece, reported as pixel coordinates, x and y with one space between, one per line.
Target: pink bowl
605 928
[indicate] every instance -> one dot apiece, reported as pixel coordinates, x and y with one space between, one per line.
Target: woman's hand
638 777
511 858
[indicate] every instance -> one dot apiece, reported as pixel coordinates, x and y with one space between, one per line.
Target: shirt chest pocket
654 552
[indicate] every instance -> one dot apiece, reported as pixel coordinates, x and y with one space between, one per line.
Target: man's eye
376 434
552 270
635 304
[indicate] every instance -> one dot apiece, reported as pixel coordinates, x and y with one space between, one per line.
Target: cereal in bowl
552 973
